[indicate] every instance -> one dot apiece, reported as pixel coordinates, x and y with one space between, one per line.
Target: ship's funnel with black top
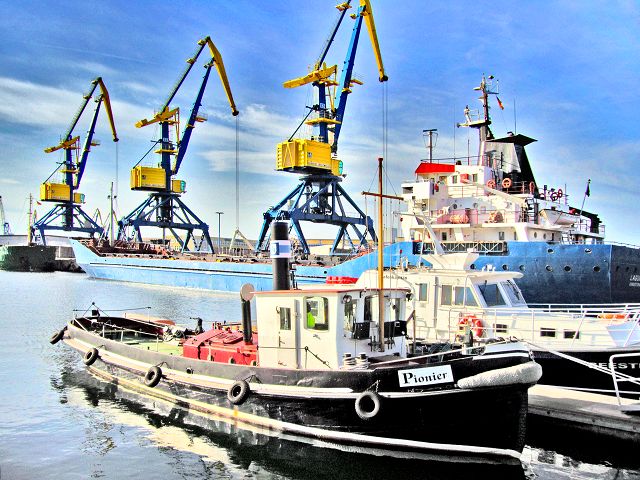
246 295
280 250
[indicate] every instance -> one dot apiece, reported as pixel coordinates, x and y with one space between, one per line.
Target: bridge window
570 334
350 311
492 295
501 328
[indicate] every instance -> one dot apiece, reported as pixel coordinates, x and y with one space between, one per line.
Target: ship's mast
487 87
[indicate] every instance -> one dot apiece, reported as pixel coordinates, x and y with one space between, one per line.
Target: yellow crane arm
217 58
65 144
315 76
107 106
367 13
163 116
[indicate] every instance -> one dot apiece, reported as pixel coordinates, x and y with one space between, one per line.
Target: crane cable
237 172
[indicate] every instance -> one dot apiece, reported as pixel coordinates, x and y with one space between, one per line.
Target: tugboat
494 204
329 362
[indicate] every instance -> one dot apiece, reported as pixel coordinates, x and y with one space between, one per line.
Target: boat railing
620 377
616 375
562 327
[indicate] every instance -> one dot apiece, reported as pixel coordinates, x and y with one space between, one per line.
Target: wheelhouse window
317 313
491 294
460 296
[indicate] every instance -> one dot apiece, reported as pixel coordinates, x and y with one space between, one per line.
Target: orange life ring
474 322
506 183
560 193
491 184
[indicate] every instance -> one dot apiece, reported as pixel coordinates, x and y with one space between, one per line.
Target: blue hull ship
553 273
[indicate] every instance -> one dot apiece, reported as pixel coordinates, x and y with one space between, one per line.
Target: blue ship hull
553 273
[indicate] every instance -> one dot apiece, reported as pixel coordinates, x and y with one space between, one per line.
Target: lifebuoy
238 392
553 196
491 184
153 376
368 405
560 193
506 183
474 323
56 337
532 187
90 357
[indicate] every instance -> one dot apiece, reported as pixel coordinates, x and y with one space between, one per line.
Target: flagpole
587 193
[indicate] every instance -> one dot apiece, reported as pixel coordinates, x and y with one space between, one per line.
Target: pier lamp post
219 215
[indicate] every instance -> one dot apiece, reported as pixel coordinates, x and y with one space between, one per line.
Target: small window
567 268
474 178
501 236
570 334
454 179
548 332
549 250
285 318
445 295
501 328
317 313
423 292
522 268
505 267
596 269
549 268
444 236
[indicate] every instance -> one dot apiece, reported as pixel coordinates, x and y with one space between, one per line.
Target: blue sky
571 68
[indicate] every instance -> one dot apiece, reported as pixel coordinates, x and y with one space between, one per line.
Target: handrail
623 376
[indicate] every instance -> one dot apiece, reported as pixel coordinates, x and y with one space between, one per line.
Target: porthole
587 250
505 267
472 266
455 205
567 268
544 235
535 234
549 250
521 268
596 269
549 268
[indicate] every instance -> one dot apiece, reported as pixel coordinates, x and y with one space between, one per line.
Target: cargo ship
489 203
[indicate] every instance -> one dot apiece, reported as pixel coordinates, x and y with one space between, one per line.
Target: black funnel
280 249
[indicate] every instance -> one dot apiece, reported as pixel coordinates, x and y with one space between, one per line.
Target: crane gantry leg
166 211
73 219
319 199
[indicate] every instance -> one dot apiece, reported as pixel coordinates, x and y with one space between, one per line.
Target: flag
38 203
587 192
500 103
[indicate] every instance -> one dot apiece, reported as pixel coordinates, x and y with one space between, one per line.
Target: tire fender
238 392
56 337
90 357
153 376
368 405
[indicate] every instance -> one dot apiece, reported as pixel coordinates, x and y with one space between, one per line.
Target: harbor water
58 421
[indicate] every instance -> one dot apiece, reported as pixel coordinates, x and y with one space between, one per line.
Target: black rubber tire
238 392
368 405
91 356
153 376
56 337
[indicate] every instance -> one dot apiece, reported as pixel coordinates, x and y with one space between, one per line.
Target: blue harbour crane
164 208
319 197
67 214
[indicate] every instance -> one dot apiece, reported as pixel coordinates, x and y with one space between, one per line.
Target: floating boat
490 203
325 361
591 347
